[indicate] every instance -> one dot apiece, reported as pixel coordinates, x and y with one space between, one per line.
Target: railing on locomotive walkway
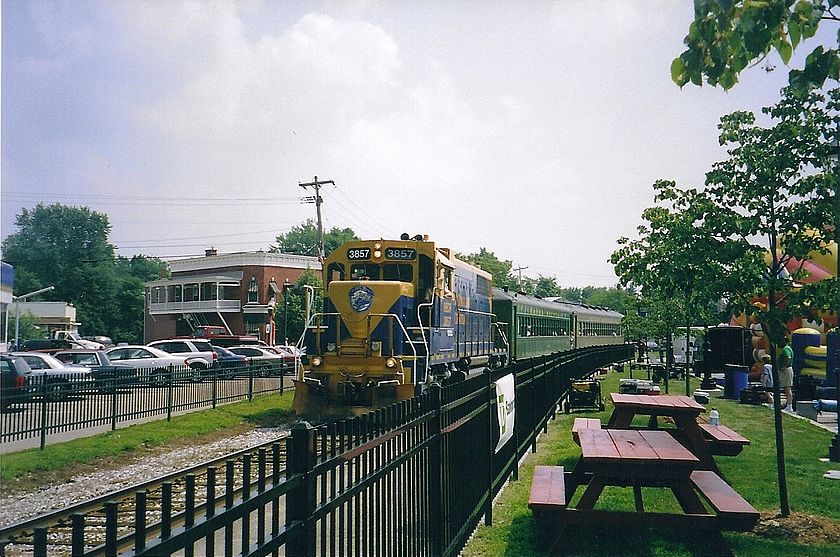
56 404
415 478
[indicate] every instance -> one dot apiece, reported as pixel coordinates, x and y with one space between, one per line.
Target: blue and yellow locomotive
398 315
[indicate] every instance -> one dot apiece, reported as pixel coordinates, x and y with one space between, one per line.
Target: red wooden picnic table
640 459
682 409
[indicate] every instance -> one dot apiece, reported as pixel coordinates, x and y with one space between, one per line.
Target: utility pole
519 270
316 199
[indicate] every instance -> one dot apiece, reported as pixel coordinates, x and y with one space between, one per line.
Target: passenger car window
34 363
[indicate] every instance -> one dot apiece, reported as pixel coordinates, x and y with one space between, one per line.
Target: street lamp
17 300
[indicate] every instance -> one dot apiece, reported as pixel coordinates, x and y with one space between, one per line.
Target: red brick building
238 291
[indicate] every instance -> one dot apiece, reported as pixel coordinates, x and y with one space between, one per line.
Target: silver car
265 362
153 364
53 378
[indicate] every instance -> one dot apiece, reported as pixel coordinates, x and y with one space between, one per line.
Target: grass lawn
195 427
752 473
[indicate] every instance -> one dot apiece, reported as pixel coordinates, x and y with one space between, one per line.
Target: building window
209 291
191 292
253 291
252 328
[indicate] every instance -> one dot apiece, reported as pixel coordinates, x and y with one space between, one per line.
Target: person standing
767 378
786 372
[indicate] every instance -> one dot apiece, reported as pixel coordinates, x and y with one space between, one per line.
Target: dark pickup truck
47 345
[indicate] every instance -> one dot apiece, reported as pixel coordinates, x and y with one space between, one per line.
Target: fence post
213 385
491 417
515 439
44 414
436 507
169 395
301 500
114 402
251 382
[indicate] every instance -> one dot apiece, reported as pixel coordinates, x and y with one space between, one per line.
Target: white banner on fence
505 397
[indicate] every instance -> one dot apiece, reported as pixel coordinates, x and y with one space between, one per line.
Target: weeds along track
102 524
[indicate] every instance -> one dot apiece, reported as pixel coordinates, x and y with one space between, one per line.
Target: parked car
200 351
153 364
59 380
264 361
14 372
104 371
107 342
228 360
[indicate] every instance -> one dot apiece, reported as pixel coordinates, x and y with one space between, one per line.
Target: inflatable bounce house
815 344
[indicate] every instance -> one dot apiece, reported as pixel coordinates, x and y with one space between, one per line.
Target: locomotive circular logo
361 297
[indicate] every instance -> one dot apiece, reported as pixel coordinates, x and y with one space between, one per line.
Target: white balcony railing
194 307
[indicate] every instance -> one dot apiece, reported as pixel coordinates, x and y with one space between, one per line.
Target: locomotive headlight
316 361
391 363
377 254
377 245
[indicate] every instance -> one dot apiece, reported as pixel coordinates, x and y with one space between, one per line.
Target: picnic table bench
638 459
723 440
584 423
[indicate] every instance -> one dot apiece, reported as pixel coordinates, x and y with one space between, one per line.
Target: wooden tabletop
633 446
658 402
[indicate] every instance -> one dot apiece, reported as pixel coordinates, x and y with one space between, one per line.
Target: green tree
488 261
541 286
727 35
677 266
290 314
303 239
774 202
66 247
610 298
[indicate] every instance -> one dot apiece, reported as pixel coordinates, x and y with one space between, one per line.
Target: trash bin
736 378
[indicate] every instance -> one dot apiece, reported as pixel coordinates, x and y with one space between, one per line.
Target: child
767 378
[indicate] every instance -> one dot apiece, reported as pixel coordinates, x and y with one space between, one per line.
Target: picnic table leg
696 440
592 492
637 496
687 497
620 419
719 545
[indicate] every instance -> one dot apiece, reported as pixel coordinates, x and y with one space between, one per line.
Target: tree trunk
775 327
687 357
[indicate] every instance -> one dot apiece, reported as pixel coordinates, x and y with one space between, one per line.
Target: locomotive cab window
335 272
397 271
364 271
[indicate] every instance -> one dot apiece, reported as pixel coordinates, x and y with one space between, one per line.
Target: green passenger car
536 326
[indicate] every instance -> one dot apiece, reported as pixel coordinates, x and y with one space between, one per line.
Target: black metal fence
50 404
415 478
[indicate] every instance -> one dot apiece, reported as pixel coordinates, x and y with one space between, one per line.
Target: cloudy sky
534 129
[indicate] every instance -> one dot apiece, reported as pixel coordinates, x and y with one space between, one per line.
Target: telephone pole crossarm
316 184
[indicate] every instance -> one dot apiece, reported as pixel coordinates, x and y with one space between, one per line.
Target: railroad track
107 523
